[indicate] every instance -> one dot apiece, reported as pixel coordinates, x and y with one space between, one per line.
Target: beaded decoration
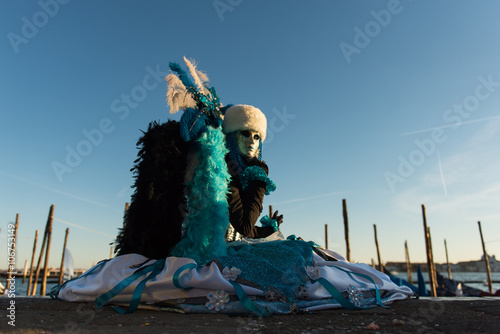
355 295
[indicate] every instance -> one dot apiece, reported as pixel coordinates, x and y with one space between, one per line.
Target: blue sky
388 104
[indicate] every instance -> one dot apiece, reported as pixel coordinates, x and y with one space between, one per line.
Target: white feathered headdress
182 93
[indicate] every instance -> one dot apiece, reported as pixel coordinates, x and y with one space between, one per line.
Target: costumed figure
191 242
245 127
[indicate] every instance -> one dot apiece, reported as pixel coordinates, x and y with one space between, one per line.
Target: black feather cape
153 221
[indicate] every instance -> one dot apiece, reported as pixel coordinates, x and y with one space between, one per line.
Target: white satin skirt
181 285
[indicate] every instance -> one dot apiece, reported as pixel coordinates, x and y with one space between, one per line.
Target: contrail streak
84 228
52 189
441 172
449 125
308 198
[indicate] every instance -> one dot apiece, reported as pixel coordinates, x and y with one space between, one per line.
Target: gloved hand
278 219
256 162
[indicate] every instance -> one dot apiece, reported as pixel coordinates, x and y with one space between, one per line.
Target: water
473 279
21 289
476 280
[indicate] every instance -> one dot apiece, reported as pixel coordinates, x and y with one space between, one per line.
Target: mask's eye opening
245 133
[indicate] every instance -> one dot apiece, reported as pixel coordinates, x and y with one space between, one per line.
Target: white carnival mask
248 142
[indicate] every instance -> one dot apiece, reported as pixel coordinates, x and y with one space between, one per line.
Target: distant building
466 266
479 266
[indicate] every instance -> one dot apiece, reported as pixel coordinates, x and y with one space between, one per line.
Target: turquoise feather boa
208 215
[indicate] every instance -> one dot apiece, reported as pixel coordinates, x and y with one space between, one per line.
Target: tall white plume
200 78
178 96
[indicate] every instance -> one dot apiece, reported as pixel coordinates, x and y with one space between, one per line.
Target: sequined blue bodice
275 266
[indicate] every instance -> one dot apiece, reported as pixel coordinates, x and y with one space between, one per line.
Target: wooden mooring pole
61 271
125 214
486 260
326 236
270 211
39 263
28 293
428 248
49 237
447 260
380 266
433 265
346 231
45 244
11 260
408 263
